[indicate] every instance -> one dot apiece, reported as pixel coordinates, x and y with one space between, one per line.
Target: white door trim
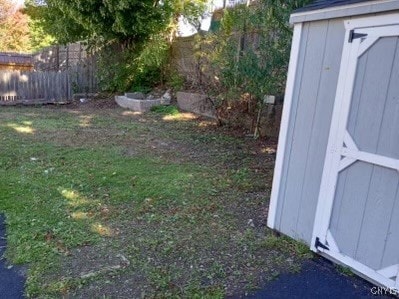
371 158
339 136
376 21
379 277
285 119
338 123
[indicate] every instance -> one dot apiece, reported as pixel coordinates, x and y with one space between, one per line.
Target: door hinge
353 35
318 244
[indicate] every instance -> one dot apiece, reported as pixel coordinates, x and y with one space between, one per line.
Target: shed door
357 219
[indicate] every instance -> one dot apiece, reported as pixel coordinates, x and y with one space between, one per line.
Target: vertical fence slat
2 87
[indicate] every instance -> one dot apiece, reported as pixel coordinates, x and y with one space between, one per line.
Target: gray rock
143 105
135 95
166 98
196 103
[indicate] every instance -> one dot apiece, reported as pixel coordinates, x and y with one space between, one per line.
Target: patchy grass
104 202
165 110
344 270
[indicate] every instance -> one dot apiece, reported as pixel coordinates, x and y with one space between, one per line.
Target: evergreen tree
101 21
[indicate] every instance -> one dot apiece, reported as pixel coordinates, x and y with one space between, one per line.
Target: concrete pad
135 95
135 104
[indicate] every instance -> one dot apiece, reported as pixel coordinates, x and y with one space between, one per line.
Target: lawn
103 202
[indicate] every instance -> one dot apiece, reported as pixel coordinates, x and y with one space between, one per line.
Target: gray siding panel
302 131
309 126
320 128
389 146
376 219
389 138
351 188
373 92
293 112
392 239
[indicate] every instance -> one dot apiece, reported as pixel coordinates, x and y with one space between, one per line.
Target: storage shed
15 62
336 183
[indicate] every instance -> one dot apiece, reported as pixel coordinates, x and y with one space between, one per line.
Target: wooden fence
19 86
47 86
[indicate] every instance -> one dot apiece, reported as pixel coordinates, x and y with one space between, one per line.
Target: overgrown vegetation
104 203
137 67
132 38
249 53
99 22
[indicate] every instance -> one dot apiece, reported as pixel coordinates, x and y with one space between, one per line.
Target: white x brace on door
357 217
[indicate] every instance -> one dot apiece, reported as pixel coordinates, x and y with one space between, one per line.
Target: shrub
250 53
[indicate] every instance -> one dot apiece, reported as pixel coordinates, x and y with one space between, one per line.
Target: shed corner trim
282 142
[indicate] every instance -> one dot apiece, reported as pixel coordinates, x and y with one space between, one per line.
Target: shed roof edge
355 9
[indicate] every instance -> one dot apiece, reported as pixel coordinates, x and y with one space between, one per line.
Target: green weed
165 110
